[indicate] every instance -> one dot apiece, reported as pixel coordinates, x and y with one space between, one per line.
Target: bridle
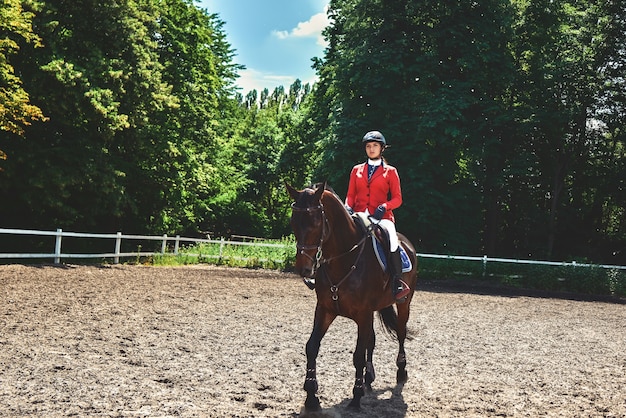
319 259
302 249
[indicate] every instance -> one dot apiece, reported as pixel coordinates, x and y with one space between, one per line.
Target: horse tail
389 320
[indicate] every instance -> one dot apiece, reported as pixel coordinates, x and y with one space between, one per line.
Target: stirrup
401 294
310 283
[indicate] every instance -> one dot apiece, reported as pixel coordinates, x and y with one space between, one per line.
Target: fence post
57 246
164 244
484 266
176 244
118 247
221 247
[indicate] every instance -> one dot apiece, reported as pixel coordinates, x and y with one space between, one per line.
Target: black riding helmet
375 136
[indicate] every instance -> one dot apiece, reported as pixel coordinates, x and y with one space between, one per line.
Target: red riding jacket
382 189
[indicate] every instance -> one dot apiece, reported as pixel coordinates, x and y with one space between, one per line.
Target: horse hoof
312 405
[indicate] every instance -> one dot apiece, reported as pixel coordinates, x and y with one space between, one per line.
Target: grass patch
268 254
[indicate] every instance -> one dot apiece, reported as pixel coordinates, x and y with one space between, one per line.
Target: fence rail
486 259
116 254
58 254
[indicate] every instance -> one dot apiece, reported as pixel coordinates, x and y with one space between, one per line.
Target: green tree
268 150
569 55
428 75
16 109
133 90
99 80
198 64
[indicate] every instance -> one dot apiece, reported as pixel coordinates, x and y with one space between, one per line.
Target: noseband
317 261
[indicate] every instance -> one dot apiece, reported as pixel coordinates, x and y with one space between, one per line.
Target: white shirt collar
375 162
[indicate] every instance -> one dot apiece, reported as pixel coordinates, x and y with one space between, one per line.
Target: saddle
380 241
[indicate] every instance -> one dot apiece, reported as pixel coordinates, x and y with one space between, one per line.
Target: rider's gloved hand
380 211
349 209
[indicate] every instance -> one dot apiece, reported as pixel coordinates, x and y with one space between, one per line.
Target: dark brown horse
334 250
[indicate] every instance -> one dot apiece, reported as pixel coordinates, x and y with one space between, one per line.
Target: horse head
310 227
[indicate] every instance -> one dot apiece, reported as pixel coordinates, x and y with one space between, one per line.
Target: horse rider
374 188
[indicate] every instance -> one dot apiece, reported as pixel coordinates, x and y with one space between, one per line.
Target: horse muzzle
306 268
307 264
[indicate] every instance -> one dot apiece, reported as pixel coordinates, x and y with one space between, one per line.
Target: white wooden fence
116 254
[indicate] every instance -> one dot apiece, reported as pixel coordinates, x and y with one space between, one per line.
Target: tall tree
16 109
98 79
269 150
424 73
566 52
133 91
198 64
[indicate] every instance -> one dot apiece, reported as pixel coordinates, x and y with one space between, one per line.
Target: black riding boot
400 289
309 282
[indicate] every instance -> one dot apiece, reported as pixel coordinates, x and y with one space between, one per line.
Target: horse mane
316 186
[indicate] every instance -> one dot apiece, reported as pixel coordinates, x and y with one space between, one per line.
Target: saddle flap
373 229
380 241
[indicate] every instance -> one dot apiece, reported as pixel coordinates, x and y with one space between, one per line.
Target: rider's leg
400 289
393 235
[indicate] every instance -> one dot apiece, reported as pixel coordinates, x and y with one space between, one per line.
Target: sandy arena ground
206 341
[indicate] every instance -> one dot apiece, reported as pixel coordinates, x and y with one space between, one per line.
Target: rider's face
373 150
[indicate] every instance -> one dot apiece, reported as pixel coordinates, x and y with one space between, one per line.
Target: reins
319 260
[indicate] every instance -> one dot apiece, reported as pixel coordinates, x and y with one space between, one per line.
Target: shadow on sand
483 287
375 403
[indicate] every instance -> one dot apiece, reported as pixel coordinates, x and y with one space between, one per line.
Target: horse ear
292 191
320 191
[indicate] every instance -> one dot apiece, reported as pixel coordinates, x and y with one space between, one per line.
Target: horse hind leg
403 317
395 324
370 375
401 375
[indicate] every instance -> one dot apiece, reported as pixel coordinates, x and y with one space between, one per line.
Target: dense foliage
506 120
15 109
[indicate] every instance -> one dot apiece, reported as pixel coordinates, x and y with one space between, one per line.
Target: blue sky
274 39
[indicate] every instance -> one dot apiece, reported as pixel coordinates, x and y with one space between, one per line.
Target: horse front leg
366 333
320 325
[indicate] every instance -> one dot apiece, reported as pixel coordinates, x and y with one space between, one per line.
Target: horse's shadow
373 405
377 403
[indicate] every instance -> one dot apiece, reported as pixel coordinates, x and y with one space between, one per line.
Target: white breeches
393 235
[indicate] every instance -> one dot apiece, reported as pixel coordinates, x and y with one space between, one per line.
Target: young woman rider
374 188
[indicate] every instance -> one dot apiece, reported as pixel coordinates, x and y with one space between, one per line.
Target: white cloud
309 29
250 79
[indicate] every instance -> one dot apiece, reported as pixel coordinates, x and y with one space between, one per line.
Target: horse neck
342 234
